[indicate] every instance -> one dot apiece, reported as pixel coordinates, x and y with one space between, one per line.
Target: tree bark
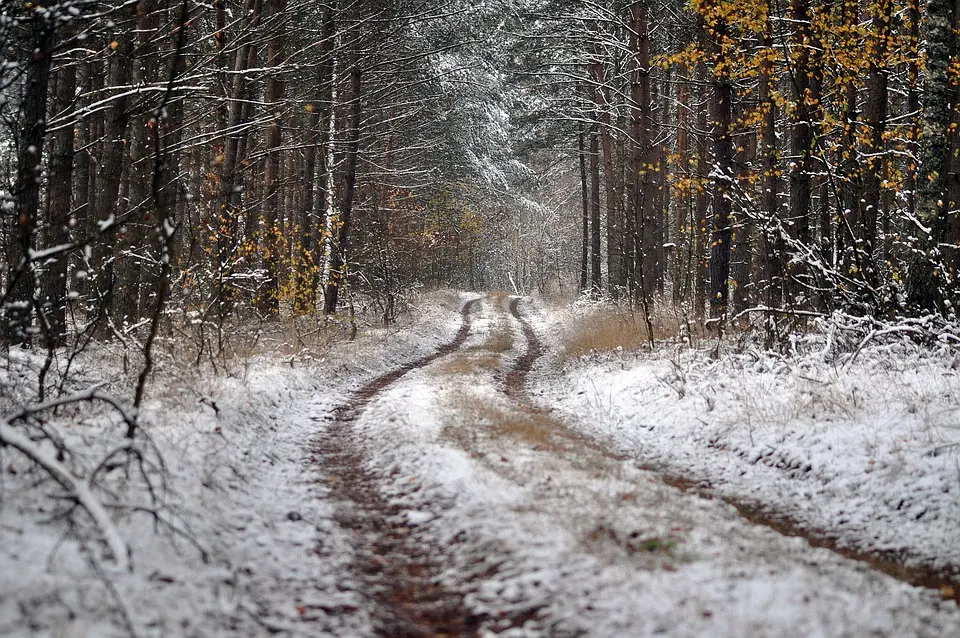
596 285
585 208
875 114
722 178
340 257
851 184
228 209
276 86
19 299
643 164
702 206
948 204
914 18
314 200
773 266
109 178
135 251
53 282
801 145
603 119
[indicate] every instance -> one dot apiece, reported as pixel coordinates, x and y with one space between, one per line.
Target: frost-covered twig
79 489
873 334
90 394
122 606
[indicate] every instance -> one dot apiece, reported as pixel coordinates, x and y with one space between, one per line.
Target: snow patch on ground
548 532
241 483
553 536
867 451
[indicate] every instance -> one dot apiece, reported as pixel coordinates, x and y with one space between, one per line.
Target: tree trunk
722 179
111 170
773 266
644 168
703 203
340 257
596 285
948 204
912 46
585 207
851 185
933 274
801 146
603 120
743 237
20 276
875 114
273 241
228 209
682 264
314 200
53 281
134 250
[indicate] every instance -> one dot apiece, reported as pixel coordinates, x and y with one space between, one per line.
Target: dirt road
475 511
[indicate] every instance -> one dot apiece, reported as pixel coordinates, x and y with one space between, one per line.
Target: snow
537 509
864 450
242 481
587 543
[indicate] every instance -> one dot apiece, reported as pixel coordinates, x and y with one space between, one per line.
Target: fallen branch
77 488
90 394
873 334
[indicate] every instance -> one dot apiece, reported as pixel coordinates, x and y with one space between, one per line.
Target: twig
90 394
79 489
114 592
878 333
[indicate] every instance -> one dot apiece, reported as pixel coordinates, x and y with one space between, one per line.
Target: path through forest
475 509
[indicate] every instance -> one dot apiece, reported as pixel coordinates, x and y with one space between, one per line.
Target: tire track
515 388
945 580
400 570
898 565
517 376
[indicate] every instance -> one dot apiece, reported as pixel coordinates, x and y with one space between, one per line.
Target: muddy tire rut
399 570
945 580
515 387
516 379
401 566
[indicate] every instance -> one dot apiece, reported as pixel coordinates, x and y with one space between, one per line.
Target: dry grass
237 341
607 329
479 415
480 358
463 436
529 426
498 295
604 330
500 341
466 364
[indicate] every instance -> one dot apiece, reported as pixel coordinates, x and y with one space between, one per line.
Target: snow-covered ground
865 449
553 535
243 486
533 504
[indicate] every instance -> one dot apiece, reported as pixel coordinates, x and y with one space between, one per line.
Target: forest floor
466 475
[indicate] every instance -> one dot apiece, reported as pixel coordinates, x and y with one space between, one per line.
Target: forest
704 216
165 161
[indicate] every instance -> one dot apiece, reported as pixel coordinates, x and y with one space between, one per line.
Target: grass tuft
608 328
486 416
604 330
